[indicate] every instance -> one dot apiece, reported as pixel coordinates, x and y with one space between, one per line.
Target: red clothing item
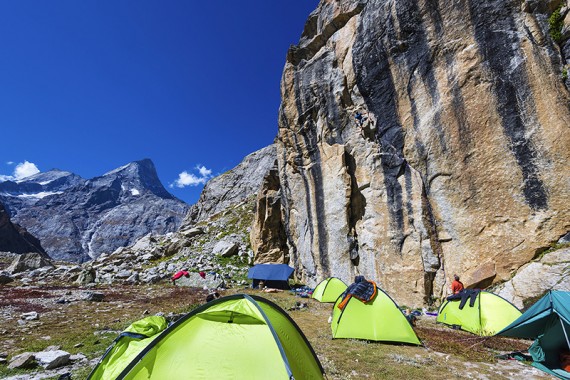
456 286
202 274
180 274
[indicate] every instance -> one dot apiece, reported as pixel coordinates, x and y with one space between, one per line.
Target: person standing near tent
456 285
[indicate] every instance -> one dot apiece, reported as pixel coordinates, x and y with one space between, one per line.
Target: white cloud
204 172
10 163
25 169
190 179
22 170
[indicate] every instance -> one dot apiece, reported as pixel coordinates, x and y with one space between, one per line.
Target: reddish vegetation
467 345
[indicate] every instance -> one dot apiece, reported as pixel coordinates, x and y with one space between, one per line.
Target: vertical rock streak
497 36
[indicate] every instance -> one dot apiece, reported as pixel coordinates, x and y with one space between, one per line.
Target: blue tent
548 322
274 275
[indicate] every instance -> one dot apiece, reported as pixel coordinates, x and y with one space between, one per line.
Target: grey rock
87 276
30 316
5 278
23 361
133 279
225 249
124 274
532 280
29 261
52 358
191 232
564 239
93 296
77 358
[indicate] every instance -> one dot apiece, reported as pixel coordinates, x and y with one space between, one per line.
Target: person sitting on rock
456 285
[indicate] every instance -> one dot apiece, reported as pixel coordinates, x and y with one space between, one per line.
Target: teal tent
548 323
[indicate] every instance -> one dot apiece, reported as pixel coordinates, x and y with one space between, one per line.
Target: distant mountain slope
77 219
14 238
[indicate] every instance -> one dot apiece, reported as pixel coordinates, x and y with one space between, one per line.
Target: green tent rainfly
234 337
380 319
127 346
329 290
548 322
489 314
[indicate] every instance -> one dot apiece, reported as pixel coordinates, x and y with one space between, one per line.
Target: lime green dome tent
127 346
485 315
379 319
548 322
234 337
329 290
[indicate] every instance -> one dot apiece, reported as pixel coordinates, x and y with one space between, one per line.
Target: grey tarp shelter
273 275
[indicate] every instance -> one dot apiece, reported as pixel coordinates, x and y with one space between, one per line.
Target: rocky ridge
14 238
233 186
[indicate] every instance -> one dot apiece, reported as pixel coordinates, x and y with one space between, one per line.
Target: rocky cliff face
418 139
233 186
15 239
77 220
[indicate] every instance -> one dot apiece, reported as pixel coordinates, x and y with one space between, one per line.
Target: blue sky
88 86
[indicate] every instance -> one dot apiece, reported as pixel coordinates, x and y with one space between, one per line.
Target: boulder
225 249
191 232
93 296
28 261
52 359
30 316
23 361
87 276
532 280
194 280
5 278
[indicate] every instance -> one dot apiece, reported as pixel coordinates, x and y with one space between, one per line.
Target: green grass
555 23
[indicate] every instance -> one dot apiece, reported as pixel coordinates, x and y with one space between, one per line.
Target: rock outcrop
532 280
418 139
268 238
77 220
16 239
233 186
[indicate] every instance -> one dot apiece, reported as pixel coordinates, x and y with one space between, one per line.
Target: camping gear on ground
303 291
329 290
379 319
273 275
485 315
127 346
234 337
548 322
179 274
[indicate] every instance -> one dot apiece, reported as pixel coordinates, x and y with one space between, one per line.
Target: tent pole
565 333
